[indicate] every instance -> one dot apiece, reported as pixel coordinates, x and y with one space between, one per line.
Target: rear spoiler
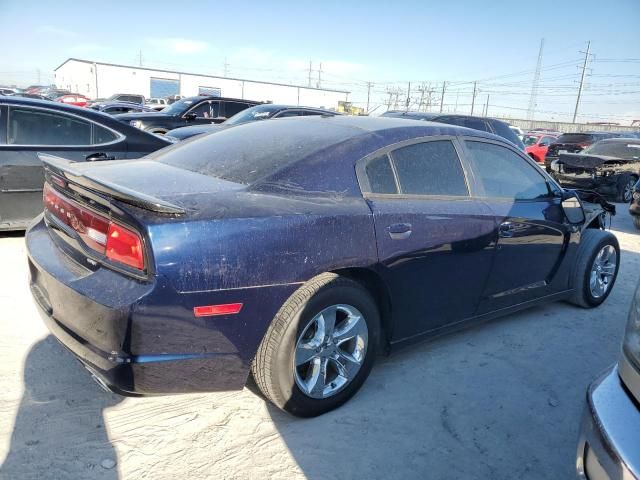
65 168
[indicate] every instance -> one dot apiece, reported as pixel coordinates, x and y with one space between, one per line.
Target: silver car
609 446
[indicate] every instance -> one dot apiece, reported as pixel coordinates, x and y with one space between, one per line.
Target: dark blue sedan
299 249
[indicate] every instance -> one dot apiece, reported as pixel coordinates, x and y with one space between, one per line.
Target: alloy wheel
330 351
602 271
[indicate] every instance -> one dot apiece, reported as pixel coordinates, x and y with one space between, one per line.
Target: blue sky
390 44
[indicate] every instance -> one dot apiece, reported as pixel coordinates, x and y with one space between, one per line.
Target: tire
592 243
295 327
636 221
624 186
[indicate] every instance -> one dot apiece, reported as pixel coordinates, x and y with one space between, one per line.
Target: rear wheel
625 185
596 268
320 347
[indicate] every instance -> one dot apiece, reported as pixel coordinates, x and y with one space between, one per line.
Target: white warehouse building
101 80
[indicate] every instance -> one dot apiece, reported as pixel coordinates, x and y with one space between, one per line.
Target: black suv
188 111
573 143
486 124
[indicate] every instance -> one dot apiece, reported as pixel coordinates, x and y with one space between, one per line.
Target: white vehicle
157 103
517 131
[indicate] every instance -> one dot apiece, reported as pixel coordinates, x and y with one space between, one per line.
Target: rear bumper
610 434
141 338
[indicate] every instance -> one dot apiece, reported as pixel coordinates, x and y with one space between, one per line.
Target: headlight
554 166
136 123
631 343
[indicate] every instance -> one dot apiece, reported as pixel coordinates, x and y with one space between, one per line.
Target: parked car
259 112
610 430
34 96
188 111
157 103
300 249
53 94
81 134
174 98
634 208
573 143
115 108
73 99
484 124
610 167
537 144
9 90
120 97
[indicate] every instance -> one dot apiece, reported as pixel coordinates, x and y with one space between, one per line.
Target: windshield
628 150
529 140
179 107
260 112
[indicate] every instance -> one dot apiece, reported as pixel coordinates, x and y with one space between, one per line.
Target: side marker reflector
213 310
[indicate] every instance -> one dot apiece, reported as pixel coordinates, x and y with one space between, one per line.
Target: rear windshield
249 152
574 138
504 131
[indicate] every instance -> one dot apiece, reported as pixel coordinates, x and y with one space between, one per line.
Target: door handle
99 156
399 231
506 230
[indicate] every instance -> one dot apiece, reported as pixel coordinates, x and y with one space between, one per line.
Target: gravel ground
501 401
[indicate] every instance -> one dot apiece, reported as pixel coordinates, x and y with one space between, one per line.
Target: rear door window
429 168
38 127
501 173
380 175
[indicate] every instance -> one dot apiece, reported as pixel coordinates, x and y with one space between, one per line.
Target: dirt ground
500 401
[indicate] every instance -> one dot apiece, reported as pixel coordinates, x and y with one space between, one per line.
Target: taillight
99 233
124 246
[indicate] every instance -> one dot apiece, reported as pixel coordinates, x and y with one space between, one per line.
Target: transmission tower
534 85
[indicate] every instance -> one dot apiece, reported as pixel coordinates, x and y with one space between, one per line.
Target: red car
537 144
73 99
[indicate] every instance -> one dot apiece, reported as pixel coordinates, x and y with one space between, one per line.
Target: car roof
213 97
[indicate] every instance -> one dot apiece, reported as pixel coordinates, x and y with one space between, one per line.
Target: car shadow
59 422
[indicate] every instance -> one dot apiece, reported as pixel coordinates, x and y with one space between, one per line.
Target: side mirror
190 116
572 208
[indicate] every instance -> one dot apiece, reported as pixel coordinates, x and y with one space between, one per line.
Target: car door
30 130
435 242
532 235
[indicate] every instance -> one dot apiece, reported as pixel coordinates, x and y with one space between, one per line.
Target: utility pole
369 84
455 109
319 76
584 69
486 107
444 86
390 95
310 70
534 85
226 67
422 88
140 58
408 95
473 100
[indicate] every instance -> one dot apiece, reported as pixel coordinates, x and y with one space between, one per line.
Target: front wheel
596 268
320 347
